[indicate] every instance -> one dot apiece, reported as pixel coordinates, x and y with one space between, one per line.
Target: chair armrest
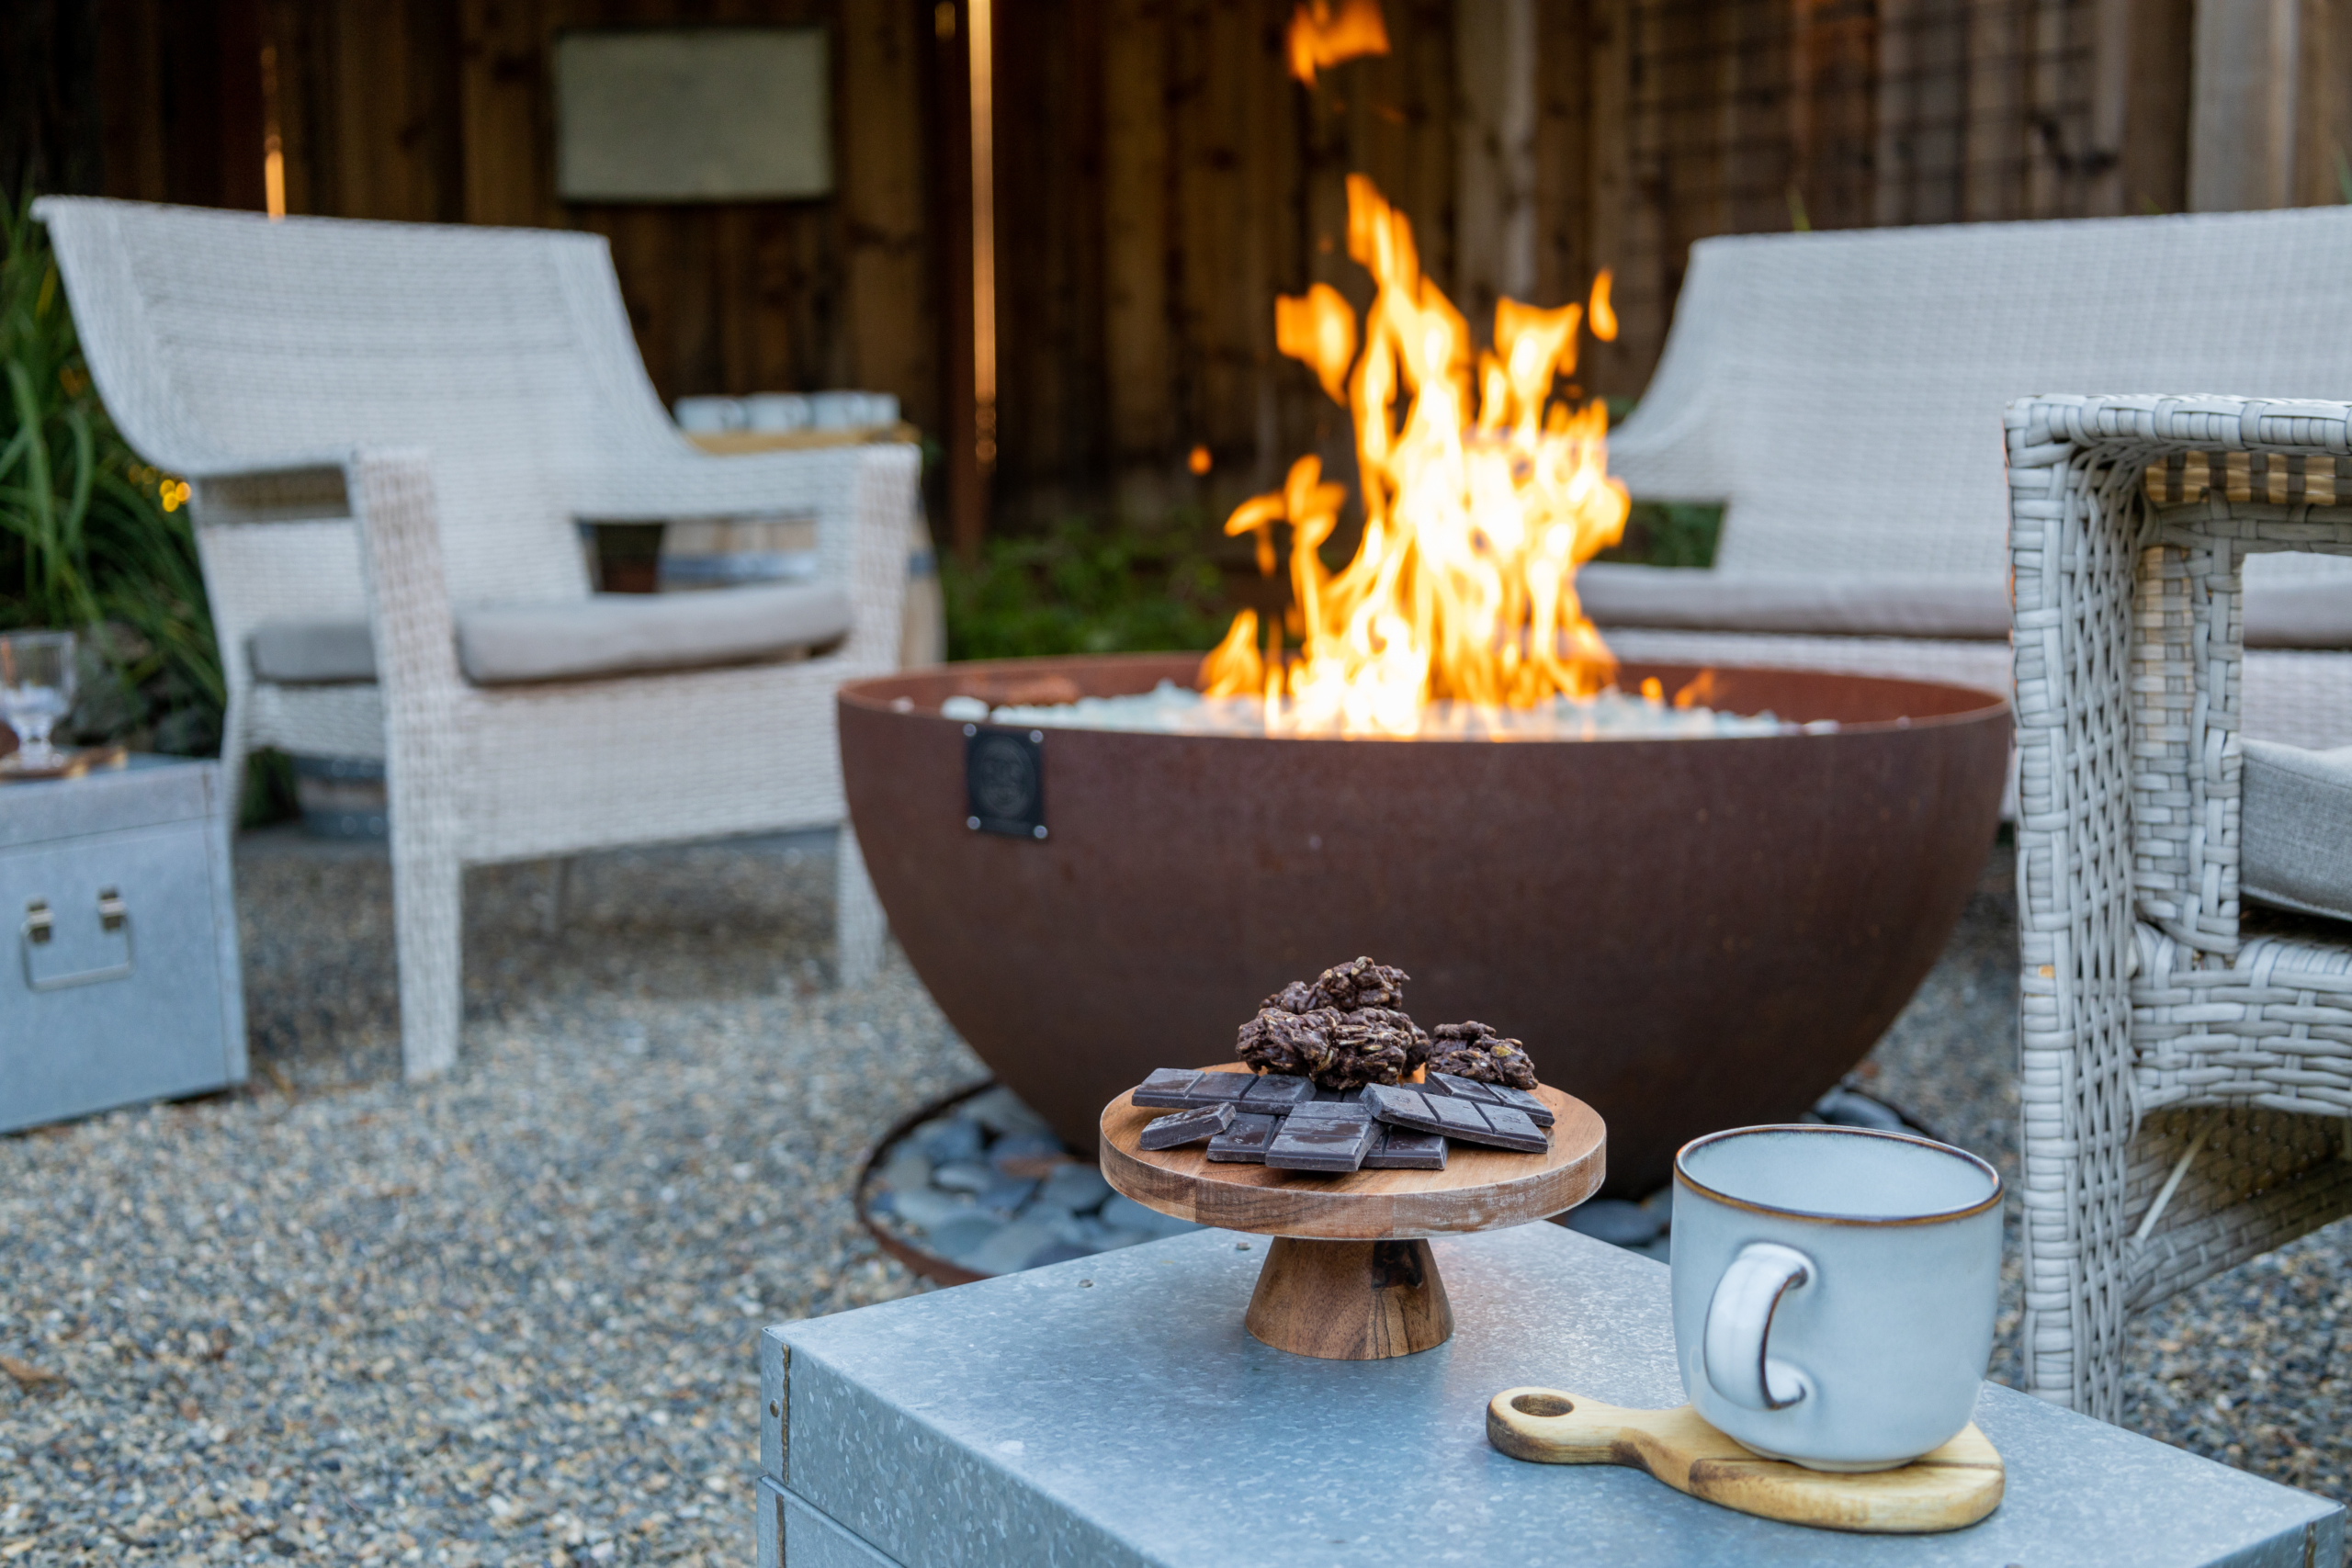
1666 451
408 592
2124 608
864 500
1670 446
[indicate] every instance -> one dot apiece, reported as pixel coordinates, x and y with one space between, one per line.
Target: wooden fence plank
1494 215
509 169
2324 104
1623 228
1564 118
1136 335
878 98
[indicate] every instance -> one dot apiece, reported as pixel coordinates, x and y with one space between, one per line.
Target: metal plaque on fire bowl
1004 781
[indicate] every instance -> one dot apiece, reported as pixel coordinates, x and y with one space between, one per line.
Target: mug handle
1739 1325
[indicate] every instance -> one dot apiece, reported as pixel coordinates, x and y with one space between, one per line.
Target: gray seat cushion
1849 605
2295 829
608 634
311 653
2299 615
2278 615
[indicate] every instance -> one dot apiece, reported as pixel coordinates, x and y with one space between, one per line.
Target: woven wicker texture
2187 1086
1791 354
396 420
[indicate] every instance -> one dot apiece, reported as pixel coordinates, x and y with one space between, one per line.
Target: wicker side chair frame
2187 1086
407 420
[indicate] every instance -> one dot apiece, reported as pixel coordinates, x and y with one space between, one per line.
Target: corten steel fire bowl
1688 933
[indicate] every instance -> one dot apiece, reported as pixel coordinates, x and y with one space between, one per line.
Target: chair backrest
223 341
1843 392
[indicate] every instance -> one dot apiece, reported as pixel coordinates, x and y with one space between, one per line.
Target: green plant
1081 586
1668 532
90 538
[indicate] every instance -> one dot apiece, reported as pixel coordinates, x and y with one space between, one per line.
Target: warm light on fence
273 155
983 233
1325 32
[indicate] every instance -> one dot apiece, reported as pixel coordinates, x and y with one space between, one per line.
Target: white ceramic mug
1834 1290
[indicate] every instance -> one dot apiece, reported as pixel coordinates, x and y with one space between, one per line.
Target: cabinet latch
40 936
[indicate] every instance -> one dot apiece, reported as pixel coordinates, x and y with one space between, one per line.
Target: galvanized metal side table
1112 1412
123 985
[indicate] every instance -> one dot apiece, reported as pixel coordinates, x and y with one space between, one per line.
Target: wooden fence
1160 176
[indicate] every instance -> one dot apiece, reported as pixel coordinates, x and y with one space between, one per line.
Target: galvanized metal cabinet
123 983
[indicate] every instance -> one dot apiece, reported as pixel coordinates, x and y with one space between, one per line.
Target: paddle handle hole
1542 1405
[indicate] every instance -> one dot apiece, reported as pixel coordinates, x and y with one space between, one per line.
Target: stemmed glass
36 691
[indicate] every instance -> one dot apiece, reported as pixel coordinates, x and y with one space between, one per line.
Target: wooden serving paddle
1954 1486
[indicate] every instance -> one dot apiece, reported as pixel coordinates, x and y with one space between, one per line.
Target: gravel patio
508 1317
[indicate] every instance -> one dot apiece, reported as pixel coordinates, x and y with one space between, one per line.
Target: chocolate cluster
1345 1030
1476 1052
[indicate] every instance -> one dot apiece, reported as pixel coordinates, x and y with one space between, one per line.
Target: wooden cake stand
1349 1275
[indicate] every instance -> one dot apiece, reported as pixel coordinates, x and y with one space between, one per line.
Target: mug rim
1683 1177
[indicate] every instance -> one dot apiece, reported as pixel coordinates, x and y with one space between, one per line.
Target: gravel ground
509 1318
506 1318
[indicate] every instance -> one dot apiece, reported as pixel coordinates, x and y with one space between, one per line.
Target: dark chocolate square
1511 1130
1172 1088
1402 1148
1526 1104
1216 1087
1455 1116
1196 1125
1388 1102
1324 1136
1460 1089
1244 1142
1276 1094
1167 1087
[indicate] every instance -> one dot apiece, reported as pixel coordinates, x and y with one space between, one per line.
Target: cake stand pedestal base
1350 1301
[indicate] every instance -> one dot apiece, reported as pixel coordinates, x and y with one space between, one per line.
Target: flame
1233 665
1325 32
1476 518
1700 693
1320 328
1604 316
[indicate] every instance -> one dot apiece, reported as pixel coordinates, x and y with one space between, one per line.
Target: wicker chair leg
428 921
858 922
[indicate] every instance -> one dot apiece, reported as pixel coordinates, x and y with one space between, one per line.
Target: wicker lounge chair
1839 392
391 431
2187 1059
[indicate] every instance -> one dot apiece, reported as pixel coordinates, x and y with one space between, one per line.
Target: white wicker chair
2186 1080
1837 391
402 422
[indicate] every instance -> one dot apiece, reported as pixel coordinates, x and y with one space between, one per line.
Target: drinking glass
36 691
